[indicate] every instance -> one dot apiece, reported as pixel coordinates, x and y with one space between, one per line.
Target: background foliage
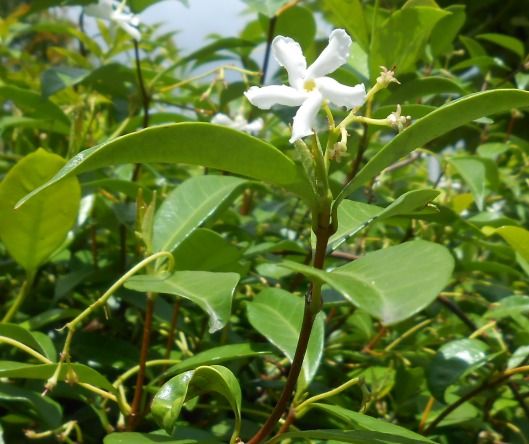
419 352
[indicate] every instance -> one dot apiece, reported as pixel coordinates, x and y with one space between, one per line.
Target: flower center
309 85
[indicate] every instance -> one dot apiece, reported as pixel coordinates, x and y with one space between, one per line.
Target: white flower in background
308 86
117 12
238 123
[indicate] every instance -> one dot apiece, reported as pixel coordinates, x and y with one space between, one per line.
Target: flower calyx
395 119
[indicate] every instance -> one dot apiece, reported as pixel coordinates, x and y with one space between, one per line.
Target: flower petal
222 119
333 56
288 53
129 28
341 95
267 96
304 118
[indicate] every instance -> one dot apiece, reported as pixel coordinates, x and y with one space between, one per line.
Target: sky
203 17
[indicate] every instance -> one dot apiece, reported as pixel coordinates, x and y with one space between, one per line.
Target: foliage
167 279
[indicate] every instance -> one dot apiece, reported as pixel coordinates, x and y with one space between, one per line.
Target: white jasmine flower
117 12
309 87
338 151
238 123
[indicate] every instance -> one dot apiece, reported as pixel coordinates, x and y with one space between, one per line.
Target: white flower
308 86
117 12
238 123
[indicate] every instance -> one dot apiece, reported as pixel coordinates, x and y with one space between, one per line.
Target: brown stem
374 341
269 38
289 420
134 416
458 312
322 237
172 329
356 162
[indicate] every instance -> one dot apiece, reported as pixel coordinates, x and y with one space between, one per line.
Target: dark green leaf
452 361
350 436
55 79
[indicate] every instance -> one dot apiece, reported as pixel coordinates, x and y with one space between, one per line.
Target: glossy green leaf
197 144
472 46
505 41
350 16
444 119
452 361
481 176
354 216
492 150
16 370
189 205
212 292
391 284
359 421
220 354
177 391
516 237
36 340
408 30
518 357
349 436
277 315
32 233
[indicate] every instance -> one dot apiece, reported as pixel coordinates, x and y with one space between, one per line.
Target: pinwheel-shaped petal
309 87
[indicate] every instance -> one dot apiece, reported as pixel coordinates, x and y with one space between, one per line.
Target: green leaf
212 292
176 392
36 340
354 216
55 79
189 205
391 284
33 105
516 237
444 119
297 23
446 30
15 370
277 315
350 436
350 16
266 7
481 176
359 421
31 234
48 125
453 360
34 406
206 250
220 354
197 144
509 306
400 40
427 86
505 41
